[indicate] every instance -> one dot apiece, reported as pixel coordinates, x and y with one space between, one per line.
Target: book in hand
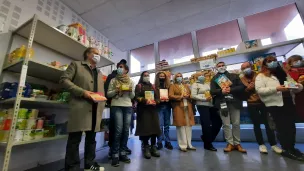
149 96
98 97
164 94
223 81
291 84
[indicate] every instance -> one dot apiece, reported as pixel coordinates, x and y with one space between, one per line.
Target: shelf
58 137
280 49
37 70
35 102
57 41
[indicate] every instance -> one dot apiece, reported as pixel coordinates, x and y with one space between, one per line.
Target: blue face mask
201 79
179 79
247 71
120 71
297 64
272 65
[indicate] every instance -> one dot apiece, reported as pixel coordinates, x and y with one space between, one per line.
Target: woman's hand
282 88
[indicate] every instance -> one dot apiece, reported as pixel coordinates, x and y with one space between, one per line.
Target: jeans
121 121
258 114
211 123
284 117
164 121
233 118
72 160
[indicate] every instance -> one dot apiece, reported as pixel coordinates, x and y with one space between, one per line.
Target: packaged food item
18 135
164 95
22 114
39 134
207 94
31 124
29 135
6 124
40 123
21 124
4 135
125 87
33 113
98 97
50 131
149 96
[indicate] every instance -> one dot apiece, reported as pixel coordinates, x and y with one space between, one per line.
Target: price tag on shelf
23 75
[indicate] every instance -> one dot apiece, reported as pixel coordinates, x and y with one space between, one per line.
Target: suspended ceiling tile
80 6
102 16
131 8
242 8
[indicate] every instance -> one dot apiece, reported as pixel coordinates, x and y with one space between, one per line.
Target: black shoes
146 152
125 159
115 161
159 145
168 146
210 147
293 154
154 152
93 167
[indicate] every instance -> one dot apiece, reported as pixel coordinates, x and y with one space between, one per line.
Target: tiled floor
199 160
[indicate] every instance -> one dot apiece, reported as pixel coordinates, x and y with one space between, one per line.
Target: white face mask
96 58
222 69
146 79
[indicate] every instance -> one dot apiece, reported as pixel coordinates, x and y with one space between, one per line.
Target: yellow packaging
125 87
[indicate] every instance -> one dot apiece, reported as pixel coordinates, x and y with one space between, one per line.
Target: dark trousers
259 115
211 123
72 160
72 150
146 139
121 121
284 119
111 129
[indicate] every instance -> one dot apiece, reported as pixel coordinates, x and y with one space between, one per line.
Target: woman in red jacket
295 68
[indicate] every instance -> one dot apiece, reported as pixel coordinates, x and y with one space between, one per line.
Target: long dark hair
157 81
278 72
141 80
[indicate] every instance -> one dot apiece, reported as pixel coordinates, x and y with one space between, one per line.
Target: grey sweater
125 99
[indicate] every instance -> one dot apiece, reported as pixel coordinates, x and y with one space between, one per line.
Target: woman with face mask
121 90
183 117
277 98
210 119
162 83
295 68
147 117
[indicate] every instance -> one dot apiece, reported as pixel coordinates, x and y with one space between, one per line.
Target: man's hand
226 90
209 99
87 94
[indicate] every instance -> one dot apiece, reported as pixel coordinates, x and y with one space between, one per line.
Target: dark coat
76 79
147 116
237 88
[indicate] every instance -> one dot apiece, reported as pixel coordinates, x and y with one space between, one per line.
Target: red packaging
7 124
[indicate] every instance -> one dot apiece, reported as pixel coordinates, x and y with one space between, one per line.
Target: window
299 50
142 59
176 50
219 37
277 25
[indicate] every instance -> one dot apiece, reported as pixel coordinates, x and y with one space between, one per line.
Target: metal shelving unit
281 49
39 32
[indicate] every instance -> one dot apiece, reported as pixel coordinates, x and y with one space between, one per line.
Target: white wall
118 54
